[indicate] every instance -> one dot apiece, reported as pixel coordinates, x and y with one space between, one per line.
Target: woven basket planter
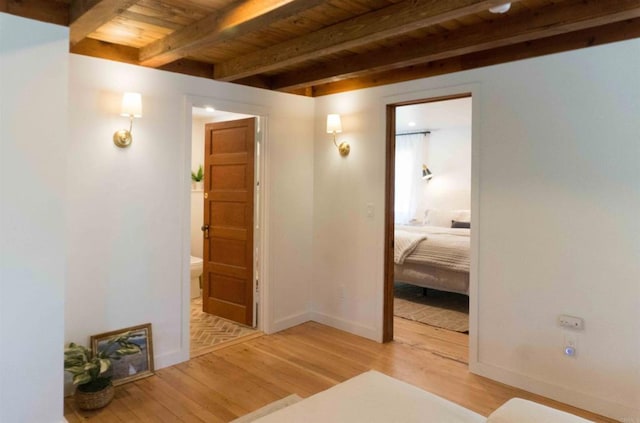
94 400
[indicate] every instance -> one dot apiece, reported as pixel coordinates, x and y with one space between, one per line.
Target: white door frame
261 213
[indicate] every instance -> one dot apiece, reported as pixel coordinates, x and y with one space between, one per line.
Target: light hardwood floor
306 359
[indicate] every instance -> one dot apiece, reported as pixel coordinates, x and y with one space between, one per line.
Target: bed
431 256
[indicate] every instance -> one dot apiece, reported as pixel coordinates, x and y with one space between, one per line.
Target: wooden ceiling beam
89 15
190 67
557 18
106 50
391 21
614 32
239 19
55 12
126 54
256 81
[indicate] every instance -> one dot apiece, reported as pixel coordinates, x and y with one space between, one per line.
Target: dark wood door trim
389 215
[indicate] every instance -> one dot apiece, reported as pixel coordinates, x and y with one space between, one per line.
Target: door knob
205 229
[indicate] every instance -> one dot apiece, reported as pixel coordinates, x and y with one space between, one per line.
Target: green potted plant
89 370
197 177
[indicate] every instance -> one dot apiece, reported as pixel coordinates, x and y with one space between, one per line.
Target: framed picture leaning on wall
129 367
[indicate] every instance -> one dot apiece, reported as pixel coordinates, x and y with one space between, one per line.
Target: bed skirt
432 277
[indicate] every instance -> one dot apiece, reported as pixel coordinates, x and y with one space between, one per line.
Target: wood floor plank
317 338
119 408
330 365
232 381
409 329
223 409
69 413
157 410
281 372
144 410
238 385
180 404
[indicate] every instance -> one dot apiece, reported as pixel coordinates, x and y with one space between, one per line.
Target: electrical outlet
370 210
571 322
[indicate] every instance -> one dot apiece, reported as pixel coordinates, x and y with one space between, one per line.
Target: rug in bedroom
445 310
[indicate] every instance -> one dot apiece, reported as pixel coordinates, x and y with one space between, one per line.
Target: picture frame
130 367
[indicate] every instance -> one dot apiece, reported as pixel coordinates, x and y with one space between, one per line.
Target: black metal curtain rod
413 133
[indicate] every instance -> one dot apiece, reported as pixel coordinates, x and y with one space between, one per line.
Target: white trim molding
577 399
264 324
355 328
289 321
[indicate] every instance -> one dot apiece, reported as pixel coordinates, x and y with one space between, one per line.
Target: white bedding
405 242
446 248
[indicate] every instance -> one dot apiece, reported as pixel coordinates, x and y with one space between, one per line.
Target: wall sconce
131 107
426 173
503 8
334 126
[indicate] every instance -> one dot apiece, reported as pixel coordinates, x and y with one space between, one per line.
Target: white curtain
409 160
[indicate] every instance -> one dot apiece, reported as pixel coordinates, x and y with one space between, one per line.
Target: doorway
225 170
428 219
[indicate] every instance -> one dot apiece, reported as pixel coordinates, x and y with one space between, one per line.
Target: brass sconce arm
122 138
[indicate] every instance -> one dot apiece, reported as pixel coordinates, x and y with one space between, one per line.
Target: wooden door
228 220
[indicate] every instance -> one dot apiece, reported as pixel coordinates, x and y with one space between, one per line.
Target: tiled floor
209 332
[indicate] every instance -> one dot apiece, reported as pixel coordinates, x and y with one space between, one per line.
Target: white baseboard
587 402
170 358
290 321
347 326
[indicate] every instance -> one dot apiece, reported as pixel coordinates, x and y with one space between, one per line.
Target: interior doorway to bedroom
428 222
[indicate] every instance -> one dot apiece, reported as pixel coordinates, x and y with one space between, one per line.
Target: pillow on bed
443 218
459 224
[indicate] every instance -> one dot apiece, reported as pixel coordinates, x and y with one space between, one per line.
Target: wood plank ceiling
319 47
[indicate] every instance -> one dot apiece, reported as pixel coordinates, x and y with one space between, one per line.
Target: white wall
197 142
33 147
347 243
129 208
558 153
448 156
197 200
